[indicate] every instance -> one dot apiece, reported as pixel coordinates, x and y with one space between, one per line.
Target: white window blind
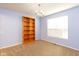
58 27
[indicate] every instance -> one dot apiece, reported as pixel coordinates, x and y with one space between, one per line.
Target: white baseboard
44 40
63 45
10 45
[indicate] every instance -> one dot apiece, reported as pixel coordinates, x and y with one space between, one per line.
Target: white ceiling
34 9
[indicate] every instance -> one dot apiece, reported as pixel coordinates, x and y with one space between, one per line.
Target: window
58 27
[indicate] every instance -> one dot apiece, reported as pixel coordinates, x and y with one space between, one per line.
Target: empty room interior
44 29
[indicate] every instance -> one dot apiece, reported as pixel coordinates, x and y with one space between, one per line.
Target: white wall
11 27
73 28
38 28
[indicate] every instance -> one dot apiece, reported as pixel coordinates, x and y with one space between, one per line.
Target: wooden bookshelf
28 29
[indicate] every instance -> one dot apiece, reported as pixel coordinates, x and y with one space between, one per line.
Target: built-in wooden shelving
28 29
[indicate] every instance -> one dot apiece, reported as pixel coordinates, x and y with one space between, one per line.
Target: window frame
53 36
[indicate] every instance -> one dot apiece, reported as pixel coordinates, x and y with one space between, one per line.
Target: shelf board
29 26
